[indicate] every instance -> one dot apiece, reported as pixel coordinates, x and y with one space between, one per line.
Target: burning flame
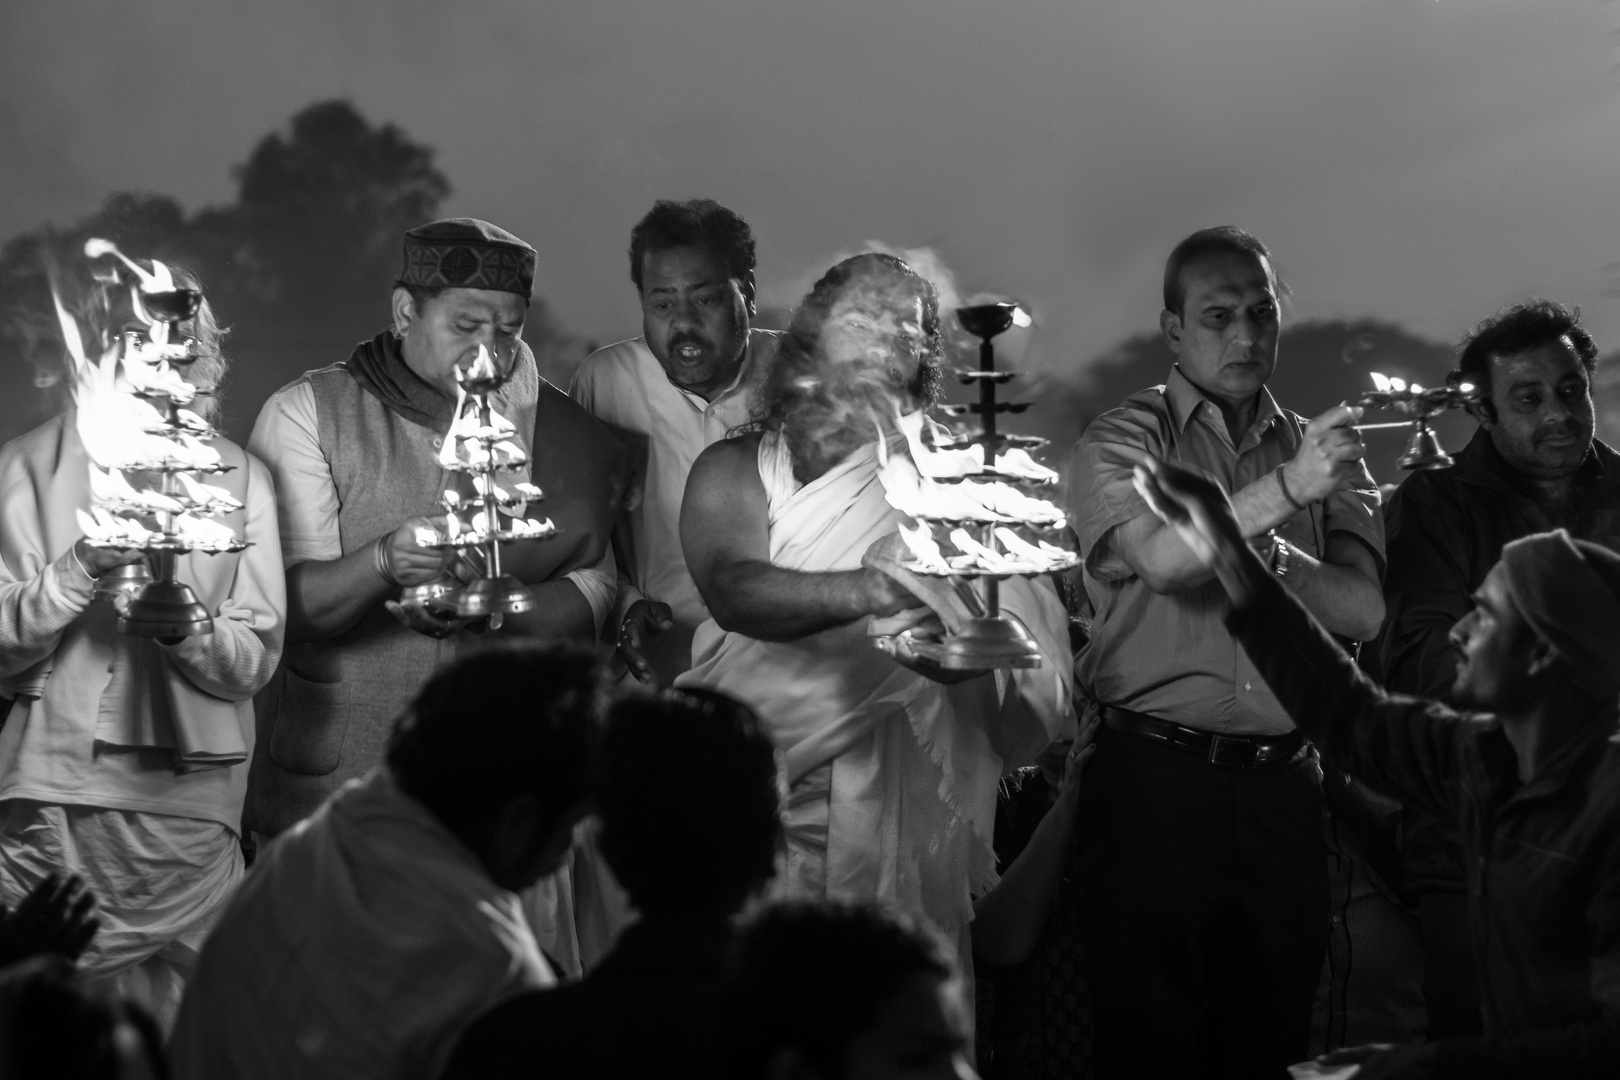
482 369
1020 317
925 553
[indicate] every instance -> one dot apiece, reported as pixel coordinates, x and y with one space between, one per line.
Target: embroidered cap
465 253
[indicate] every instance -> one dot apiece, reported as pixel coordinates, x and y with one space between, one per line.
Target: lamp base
505 595
167 610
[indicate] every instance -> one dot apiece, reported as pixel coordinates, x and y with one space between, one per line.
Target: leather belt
1231 751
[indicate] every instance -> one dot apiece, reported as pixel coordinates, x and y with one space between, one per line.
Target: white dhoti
893 776
160 883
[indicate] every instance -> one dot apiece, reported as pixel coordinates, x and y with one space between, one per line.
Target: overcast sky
1417 160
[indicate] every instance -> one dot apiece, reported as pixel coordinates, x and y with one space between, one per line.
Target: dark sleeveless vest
327 715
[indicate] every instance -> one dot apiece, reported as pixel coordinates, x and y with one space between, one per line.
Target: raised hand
644 619
57 916
1193 505
1080 752
1329 455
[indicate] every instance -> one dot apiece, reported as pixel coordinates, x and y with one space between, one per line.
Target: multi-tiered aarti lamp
148 450
972 516
1422 405
481 446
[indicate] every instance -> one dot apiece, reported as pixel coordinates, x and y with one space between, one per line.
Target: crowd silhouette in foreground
1311 780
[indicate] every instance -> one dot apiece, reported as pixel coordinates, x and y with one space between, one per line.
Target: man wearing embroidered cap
1530 771
354 448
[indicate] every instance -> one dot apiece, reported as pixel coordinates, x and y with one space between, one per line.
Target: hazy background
1413 164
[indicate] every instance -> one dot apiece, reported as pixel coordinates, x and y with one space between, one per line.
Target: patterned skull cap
465 253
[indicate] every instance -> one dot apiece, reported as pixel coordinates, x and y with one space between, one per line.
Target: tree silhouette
299 266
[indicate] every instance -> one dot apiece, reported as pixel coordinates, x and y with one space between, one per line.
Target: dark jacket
1542 859
651 1008
1444 531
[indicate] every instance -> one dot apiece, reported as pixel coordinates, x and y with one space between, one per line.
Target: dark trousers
1450 973
1204 910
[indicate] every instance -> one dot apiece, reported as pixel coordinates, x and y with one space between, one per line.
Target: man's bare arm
725 534
325 597
560 613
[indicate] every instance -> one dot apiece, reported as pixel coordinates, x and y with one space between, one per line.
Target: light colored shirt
287 436
625 386
359 946
1171 656
102 718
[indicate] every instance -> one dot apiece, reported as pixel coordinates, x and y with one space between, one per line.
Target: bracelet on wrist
382 558
1282 482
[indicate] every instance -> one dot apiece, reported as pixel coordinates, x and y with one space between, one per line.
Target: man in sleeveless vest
354 449
124 759
892 773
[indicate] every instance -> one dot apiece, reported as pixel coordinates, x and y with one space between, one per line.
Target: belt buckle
1234 753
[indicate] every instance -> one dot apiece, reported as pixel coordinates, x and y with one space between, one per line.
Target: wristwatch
1279 558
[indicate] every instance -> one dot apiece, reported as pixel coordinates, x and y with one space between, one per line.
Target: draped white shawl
914 764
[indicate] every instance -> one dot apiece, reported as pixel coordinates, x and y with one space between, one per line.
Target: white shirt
307 499
625 386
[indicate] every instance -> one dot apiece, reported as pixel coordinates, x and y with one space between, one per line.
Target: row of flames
483 443
124 432
938 485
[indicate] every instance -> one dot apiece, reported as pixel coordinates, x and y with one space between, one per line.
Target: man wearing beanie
1527 765
354 449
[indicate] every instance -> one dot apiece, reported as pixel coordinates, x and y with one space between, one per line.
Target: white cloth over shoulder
914 764
359 946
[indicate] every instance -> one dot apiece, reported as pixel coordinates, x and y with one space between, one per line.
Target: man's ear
403 309
746 284
1170 327
1542 657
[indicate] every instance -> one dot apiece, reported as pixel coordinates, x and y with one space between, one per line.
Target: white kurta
360 945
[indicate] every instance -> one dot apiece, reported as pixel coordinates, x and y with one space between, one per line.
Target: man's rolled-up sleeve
1102 493
238 658
1357 509
286 438
599 585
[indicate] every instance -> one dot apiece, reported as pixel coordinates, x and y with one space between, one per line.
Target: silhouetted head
693 266
498 745
822 990
53 1028
1534 361
1545 627
1221 315
689 793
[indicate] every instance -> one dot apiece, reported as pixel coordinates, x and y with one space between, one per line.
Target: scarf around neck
379 366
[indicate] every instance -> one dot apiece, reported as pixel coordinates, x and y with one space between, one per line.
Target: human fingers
630 649
1337 417
662 616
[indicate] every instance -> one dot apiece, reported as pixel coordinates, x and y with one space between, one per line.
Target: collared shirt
1171 656
287 437
624 385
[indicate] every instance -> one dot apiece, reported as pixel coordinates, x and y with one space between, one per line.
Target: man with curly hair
1532 466
680 386
892 774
